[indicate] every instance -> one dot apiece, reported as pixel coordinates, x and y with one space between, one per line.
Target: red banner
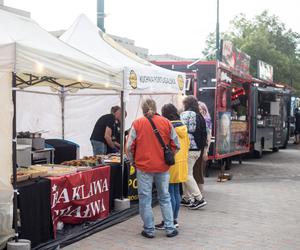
80 197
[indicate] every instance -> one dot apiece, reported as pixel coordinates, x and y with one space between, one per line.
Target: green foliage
264 38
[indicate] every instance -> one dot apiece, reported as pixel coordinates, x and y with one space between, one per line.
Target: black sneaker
147 235
160 226
186 203
173 233
176 225
197 204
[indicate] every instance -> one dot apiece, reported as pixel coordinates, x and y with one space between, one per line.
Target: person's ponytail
149 108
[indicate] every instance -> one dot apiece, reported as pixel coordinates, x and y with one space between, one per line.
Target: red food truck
225 89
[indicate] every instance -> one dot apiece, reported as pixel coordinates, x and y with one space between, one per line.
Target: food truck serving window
239 102
270 112
265 100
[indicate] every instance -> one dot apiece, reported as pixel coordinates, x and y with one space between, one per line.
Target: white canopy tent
84 107
31 56
141 78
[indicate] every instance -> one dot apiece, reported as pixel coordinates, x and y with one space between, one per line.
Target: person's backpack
200 134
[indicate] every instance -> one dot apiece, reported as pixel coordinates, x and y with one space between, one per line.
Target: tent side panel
39 112
6 117
6 193
81 114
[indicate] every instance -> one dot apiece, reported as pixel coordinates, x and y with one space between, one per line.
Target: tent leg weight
121 204
20 245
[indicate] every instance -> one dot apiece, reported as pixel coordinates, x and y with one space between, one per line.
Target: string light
39 67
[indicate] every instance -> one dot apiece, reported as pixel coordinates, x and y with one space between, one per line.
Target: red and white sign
265 71
80 197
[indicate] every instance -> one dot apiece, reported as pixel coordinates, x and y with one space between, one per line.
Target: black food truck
270 112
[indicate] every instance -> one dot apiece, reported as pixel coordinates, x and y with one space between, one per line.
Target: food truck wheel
275 149
258 153
284 146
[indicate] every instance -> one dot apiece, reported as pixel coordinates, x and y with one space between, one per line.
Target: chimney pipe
100 14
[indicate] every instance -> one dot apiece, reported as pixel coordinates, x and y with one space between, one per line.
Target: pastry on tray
21 177
55 170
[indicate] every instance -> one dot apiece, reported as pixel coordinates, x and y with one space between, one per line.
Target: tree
210 51
264 38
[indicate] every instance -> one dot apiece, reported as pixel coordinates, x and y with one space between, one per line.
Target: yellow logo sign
180 82
133 79
132 170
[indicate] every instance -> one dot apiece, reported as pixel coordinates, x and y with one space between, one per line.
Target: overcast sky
178 27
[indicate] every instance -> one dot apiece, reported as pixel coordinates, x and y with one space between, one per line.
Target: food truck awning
273 90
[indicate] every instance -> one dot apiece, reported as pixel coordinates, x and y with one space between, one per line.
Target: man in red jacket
146 153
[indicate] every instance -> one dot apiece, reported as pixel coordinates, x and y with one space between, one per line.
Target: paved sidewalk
258 209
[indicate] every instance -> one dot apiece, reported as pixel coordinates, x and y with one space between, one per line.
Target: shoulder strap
156 132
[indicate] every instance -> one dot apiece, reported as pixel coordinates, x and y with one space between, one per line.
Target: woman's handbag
168 154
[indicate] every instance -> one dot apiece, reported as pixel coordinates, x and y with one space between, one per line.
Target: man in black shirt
102 136
116 136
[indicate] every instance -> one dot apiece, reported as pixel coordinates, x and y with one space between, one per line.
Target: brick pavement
258 209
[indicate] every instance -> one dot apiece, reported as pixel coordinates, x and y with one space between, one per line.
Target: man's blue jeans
174 191
161 180
99 147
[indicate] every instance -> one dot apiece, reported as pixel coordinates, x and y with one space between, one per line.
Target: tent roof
87 37
27 48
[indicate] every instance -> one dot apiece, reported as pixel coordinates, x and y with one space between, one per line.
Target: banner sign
155 81
235 58
228 53
265 71
80 197
242 62
132 184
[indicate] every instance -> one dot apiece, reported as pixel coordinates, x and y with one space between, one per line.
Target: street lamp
100 14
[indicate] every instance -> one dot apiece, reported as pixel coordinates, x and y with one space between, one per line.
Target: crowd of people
186 135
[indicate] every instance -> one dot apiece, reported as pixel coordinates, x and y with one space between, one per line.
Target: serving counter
72 199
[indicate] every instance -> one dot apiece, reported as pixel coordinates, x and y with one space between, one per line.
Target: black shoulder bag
168 154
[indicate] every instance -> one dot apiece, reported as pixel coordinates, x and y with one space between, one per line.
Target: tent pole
14 158
62 101
122 140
